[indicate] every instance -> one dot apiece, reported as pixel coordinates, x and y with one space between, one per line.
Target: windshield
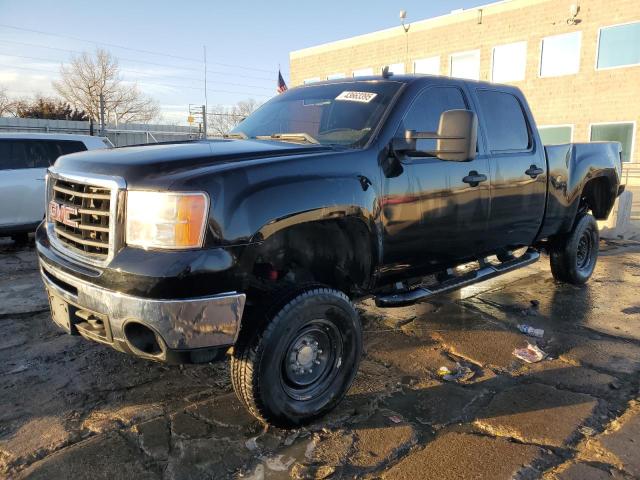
336 114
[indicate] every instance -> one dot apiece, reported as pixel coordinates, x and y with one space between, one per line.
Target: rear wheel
574 256
301 364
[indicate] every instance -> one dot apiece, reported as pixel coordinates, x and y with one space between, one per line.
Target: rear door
518 169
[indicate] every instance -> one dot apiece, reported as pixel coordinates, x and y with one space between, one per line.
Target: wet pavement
74 409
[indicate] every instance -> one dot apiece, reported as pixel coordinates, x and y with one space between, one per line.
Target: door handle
474 178
534 171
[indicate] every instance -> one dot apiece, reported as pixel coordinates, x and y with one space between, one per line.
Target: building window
615 132
560 55
363 72
396 68
509 62
556 134
335 76
429 65
311 80
619 46
465 65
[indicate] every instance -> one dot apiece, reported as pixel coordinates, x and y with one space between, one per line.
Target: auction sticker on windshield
350 96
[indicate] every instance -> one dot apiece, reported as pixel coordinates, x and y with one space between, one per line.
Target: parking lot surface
74 409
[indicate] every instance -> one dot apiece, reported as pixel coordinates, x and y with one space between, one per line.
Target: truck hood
144 164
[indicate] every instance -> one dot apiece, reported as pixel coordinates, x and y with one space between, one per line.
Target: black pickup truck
256 245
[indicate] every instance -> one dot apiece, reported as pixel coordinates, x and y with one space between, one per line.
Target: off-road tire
265 364
574 255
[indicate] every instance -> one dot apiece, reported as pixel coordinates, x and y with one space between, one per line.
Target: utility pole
195 111
206 99
204 120
102 126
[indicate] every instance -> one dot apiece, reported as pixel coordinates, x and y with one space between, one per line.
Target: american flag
282 87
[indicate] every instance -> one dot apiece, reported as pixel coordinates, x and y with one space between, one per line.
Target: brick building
578 61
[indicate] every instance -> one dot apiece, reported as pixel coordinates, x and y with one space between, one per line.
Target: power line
177 67
113 45
144 73
147 83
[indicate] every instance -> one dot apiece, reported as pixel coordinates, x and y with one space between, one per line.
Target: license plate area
60 313
79 321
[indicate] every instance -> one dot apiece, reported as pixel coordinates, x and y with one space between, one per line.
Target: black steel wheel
301 364
574 256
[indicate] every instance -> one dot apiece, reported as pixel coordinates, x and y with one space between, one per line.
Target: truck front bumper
174 331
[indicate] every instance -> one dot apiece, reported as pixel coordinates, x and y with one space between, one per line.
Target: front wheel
302 363
573 258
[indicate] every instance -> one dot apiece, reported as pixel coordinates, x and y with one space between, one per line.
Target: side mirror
456 138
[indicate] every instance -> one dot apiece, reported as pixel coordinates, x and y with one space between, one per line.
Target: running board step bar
485 272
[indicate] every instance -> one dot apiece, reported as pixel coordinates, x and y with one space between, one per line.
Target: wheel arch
336 246
599 195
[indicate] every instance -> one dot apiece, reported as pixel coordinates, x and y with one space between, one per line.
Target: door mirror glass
455 139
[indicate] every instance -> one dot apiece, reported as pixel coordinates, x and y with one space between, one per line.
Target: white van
24 159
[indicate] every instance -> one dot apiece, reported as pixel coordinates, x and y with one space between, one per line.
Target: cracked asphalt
74 409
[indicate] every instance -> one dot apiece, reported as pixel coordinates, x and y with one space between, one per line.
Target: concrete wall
590 96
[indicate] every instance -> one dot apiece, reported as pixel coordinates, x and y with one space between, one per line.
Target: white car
24 159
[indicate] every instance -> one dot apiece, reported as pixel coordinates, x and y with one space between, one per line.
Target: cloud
22 77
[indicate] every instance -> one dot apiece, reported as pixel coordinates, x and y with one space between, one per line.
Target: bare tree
89 76
7 106
223 119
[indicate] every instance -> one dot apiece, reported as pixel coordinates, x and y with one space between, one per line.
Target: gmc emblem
62 213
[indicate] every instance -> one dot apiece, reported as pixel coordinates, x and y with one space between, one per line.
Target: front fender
314 200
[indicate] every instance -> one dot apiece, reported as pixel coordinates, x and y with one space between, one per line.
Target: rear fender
575 171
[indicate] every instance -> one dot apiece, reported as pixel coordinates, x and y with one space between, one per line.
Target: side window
424 114
57 148
65 147
505 123
38 155
13 155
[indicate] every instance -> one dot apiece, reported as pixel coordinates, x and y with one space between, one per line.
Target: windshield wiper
237 135
289 137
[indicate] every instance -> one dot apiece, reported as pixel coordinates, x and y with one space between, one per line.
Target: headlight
166 219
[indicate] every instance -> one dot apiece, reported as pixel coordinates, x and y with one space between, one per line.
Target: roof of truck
406 78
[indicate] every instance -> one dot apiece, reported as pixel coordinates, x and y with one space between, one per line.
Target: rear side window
39 155
505 122
65 147
13 155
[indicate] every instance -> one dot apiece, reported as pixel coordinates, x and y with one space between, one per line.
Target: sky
159 44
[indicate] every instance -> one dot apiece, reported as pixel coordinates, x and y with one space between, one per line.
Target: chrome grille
88 227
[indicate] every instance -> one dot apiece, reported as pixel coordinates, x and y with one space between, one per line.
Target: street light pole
405 27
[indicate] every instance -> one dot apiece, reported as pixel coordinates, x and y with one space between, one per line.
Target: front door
518 170
435 211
